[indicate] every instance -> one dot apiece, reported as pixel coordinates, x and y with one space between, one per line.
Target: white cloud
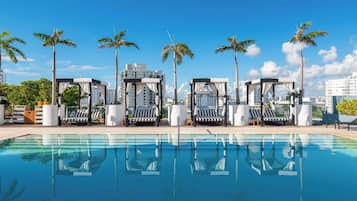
21 73
73 68
253 51
270 69
291 51
346 66
20 59
329 55
253 74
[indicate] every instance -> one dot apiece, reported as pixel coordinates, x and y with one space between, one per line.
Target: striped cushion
208 115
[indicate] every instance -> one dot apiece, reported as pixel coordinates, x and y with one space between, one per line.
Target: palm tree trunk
301 74
116 76
0 59
175 81
53 100
236 78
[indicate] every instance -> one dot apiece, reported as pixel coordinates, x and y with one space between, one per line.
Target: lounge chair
207 115
97 115
254 116
76 117
269 116
144 115
348 125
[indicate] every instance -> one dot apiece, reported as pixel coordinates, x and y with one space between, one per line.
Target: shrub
347 107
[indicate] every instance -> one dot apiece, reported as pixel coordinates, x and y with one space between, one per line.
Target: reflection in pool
172 167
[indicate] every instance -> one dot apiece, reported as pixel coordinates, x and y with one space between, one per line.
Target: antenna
170 37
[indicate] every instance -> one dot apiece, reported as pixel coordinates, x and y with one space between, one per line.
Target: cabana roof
270 80
81 80
210 80
143 80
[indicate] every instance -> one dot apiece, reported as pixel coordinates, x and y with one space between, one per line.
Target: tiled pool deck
10 131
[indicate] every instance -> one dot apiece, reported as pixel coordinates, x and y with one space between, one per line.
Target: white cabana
92 92
144 113
262 88
209 100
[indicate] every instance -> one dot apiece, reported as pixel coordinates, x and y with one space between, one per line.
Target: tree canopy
347 107
28 92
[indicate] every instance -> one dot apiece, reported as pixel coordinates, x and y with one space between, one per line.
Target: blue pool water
171 167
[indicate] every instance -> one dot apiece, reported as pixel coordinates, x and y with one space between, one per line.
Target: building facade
337 90
2 76
144 96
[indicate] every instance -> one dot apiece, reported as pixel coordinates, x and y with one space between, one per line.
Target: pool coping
12 131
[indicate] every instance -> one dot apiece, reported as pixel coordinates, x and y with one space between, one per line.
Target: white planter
178 115
239 115
50 115
115 114
303 114
2 114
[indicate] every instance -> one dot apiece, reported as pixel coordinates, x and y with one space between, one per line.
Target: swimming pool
172 167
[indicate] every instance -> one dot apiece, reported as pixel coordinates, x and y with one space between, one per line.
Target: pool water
172 167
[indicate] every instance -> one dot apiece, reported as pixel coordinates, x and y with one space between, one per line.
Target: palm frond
41 36
11 55
305 25
223 48
232 40
178 58
105 40
129 44
246 43
166 52
67 42
120 35
316 34
308 41
18 51
4 34
15 39
184 50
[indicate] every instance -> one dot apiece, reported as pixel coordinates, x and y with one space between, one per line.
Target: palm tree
178 50
7 44
305 39
237 47
52 41
116 42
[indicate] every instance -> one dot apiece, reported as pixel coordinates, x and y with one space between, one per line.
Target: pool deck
11 131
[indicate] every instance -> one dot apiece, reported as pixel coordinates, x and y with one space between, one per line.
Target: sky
203 25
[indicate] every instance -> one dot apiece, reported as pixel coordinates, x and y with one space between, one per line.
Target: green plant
116 42
7 44
347 107
70 96
52 41
305 39
28 92
178 50
237 47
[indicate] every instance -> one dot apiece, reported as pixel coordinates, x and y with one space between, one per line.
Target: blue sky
203 25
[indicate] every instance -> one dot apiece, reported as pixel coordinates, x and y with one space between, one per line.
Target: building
2 76
144 96
337 90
